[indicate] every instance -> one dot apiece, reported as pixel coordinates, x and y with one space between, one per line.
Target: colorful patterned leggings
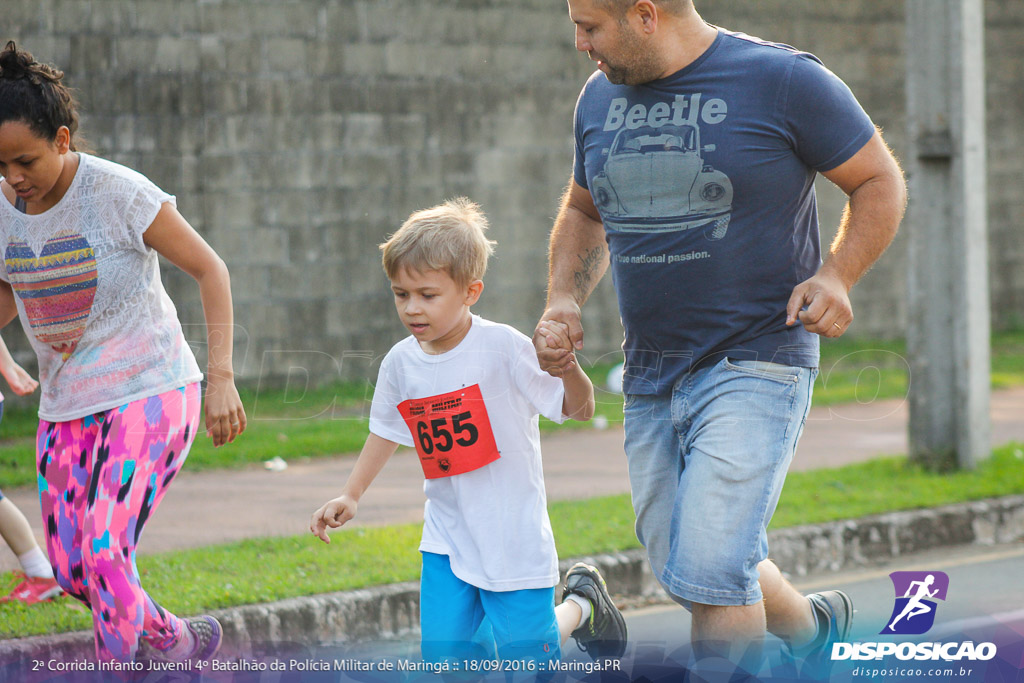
100 478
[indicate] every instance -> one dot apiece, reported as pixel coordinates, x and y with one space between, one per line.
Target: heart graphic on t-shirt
56 288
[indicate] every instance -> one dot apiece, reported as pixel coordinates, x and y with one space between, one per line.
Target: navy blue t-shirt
705 183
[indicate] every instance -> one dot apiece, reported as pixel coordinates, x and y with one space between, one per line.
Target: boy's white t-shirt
491 522
89 294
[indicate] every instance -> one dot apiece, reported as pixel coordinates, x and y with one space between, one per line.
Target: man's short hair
618 8
447 237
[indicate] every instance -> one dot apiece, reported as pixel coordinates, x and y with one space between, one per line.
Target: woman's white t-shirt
89 294
492 522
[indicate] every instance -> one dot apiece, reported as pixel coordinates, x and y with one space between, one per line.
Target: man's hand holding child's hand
334 513
554 348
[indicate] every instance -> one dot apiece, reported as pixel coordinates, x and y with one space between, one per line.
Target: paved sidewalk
220 506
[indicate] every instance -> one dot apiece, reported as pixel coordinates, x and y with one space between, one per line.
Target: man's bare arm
873 180
577 260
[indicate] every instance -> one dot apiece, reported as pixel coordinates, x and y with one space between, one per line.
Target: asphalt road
982 582
985 600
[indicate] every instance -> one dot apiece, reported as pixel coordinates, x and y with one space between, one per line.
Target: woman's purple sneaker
208 635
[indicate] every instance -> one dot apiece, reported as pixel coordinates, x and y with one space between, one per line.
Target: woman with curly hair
120 388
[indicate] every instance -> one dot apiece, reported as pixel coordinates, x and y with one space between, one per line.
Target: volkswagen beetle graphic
655 180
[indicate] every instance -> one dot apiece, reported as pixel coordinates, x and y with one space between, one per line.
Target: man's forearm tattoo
583 276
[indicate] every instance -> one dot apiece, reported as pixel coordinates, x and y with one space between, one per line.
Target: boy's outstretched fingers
334 514
318 527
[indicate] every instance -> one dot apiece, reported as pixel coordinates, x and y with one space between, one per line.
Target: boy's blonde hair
447 237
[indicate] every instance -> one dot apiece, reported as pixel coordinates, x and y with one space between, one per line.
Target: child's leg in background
450 613
14 528
101 478
17 533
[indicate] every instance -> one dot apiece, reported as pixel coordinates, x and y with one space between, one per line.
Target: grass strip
331 420
264 570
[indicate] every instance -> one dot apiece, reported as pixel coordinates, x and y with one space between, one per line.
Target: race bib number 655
451 431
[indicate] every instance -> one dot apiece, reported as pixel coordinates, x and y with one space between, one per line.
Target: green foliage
1008 359
895 483
596 525
332 419
860 371
246 572
319 422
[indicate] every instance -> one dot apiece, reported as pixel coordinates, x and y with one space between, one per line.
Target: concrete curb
392 611
856 543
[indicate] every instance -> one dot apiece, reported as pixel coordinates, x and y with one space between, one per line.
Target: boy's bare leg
568 616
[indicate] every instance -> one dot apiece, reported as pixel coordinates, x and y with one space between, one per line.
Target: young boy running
465 393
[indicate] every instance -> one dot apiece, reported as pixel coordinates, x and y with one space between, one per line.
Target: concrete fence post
949 322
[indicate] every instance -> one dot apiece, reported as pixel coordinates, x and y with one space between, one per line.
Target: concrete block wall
1004 52
298 133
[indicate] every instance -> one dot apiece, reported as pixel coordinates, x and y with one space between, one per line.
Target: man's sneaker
33 589
833 610
604 633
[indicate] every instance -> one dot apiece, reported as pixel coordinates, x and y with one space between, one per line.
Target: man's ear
647 12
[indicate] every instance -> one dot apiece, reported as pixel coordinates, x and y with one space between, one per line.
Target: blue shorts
460 621
706 467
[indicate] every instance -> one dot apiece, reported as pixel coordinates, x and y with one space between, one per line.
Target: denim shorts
706 467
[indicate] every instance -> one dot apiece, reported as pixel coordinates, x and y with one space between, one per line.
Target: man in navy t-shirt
696 153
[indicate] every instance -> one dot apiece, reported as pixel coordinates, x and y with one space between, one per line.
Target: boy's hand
334 513
552 341
20 381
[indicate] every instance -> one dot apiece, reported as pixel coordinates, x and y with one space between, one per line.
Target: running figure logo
916 592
